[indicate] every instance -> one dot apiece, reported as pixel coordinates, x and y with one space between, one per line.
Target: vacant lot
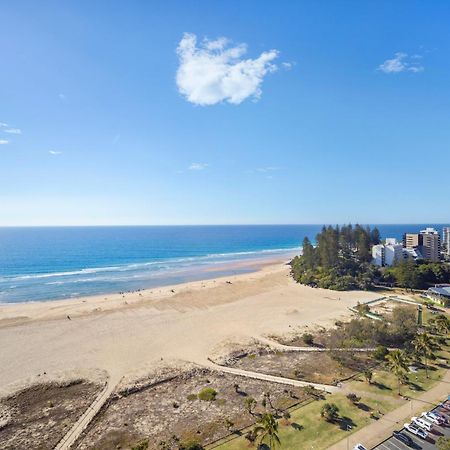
39 416
171 410
316 367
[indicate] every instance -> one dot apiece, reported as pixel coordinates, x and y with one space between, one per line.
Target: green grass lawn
308 430
384 383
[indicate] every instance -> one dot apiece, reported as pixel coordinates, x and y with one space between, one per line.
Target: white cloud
266 169
198 166
4 141
402 63
54 152
62 97
3 125
215 71
13 130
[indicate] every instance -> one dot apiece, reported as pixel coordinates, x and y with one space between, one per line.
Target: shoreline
11 313
46 291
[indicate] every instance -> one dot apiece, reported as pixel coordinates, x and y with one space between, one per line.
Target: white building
446 239
387 254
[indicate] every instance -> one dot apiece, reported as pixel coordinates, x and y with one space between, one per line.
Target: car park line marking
396 446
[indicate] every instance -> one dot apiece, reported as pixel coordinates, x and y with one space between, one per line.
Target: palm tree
424 346
368 374
442 324
268 429
398 364
330 412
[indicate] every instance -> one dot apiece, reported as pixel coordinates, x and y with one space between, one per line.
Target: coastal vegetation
340 260
416 275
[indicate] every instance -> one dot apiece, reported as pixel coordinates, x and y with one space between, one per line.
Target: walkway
81 424
274 379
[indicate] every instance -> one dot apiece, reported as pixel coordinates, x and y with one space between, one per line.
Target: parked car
445 405
432 417
435 417
422 423
359 447
417 431
403 438
443 414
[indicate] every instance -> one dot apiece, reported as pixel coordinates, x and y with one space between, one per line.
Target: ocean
47 263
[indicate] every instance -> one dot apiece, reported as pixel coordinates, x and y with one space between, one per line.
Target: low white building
387 254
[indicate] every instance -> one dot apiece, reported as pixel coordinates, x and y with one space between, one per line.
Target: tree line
340 260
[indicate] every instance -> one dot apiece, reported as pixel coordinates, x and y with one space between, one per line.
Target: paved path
274 379
376 432
72 435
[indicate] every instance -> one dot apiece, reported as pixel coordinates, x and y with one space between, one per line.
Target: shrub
190 445
308 339
143 445
207 394
380 353
192 397
353 397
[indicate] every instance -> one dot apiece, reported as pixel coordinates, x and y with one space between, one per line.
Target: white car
433 417
422 423
359 447
417 431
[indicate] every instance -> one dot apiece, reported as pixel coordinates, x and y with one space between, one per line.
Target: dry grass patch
196 405
39 416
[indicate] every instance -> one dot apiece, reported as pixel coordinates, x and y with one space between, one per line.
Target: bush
192 397
308 339
143 445
380 353
207 394
190 445
330 412
353 397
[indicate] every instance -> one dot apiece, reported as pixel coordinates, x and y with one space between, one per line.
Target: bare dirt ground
39 416
315 367
385 308
170 411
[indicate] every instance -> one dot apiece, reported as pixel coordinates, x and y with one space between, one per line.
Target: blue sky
332 112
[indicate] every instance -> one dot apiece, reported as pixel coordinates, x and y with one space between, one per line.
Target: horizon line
222 224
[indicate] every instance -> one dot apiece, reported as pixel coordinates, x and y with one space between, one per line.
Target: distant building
411 240
411 254
440 293
431 244
446 240
387 254
427 242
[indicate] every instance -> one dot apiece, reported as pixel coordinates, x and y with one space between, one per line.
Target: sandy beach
128 334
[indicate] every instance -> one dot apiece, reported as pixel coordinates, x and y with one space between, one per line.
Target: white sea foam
159 265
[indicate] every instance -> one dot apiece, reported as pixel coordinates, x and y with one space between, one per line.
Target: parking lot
394 444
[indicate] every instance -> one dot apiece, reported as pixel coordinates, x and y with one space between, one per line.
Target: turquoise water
46 263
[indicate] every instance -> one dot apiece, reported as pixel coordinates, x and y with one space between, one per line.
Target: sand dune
130 333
